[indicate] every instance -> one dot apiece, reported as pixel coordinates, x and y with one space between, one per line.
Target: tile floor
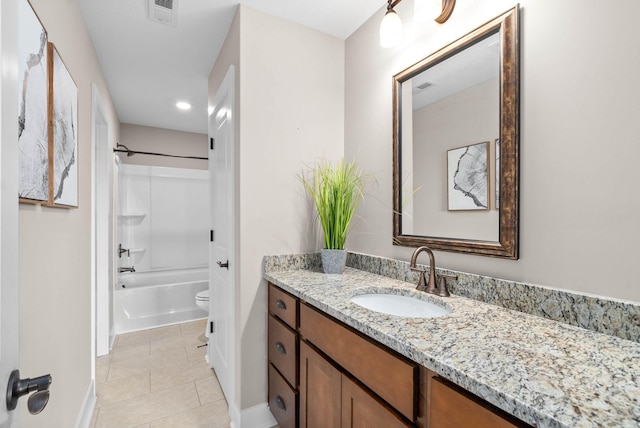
158 378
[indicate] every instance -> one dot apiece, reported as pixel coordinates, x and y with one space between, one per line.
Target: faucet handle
422 280
442 285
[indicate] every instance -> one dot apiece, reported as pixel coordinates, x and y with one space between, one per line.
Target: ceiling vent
422 87
164 11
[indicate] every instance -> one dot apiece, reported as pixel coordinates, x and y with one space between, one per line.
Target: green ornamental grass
336 192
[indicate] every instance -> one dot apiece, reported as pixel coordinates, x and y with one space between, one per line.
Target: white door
222 265
9 300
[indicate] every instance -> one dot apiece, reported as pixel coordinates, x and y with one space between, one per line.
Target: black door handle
18 387
224 265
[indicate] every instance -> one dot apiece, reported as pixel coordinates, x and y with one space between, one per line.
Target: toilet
202 300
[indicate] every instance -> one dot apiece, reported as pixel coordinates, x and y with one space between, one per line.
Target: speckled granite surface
546 373
608 316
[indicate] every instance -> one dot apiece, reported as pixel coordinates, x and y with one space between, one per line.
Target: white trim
100 209
254 417
9 251
88 406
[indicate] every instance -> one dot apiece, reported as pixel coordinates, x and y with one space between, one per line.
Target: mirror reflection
456 138
451 124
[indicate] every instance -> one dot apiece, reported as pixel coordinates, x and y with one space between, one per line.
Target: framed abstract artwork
468 177
63 133
33 97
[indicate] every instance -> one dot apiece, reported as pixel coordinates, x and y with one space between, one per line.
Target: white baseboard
88 406
254 417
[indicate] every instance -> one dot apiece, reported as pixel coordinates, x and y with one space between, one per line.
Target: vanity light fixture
391 31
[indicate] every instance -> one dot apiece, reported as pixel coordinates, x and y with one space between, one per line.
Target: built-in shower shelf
133 215
132 219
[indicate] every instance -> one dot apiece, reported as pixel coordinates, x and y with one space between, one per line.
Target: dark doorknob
224 264
17 387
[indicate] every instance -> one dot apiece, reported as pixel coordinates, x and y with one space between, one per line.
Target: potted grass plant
336 190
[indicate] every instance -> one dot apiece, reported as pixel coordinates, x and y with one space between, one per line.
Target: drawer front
283 306
449 407
282 400
391 377
283 350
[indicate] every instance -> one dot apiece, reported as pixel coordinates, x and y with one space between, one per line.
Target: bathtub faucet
126 269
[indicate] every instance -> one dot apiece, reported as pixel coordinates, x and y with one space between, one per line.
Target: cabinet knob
280 403
280 304
280 348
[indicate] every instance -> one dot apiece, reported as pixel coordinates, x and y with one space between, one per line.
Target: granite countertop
546 373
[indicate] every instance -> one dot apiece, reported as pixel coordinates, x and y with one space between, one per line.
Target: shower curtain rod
135 152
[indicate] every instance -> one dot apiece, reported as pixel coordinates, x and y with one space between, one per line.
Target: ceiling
150 66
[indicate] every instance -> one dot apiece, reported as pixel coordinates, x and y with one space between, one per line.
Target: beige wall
168 141
55 256
579 204
291 113
468 117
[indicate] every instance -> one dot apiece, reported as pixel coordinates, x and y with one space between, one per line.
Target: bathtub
145 300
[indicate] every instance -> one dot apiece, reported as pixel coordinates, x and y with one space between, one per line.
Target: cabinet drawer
449 406
282 400
391 377
283 350
283 306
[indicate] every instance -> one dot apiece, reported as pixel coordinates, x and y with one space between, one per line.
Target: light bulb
426 10
183 105
391 31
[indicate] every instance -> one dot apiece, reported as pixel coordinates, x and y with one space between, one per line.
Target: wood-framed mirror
456 145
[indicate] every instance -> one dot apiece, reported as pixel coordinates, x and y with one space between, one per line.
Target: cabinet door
362 410
320 390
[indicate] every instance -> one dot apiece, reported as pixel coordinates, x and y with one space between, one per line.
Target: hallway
159 378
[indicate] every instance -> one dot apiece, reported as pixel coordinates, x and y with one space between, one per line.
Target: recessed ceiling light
183 105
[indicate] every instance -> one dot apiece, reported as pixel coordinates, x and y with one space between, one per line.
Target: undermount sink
403 306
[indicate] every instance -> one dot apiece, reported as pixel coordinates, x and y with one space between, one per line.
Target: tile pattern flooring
158 378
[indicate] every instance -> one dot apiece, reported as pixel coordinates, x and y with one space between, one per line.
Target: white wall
55 256
291 113
163 217
168 141
579 107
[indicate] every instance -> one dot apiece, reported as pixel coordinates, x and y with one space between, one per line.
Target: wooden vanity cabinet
450 406
323 373
330 398
283 349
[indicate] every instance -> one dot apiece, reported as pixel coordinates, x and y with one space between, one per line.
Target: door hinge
212 235
212 327
212 142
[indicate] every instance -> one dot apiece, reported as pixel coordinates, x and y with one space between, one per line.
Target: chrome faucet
430 287
126 269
